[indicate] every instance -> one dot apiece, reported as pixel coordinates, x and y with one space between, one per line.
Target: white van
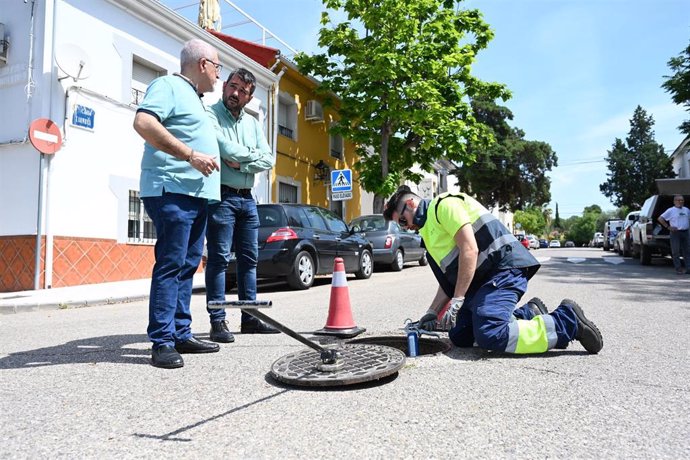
611 229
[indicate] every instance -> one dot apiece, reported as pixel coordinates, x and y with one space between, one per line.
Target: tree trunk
379 200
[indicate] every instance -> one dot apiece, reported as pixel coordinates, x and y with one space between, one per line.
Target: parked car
533 242
649 237
611 229
299 241
543 243
392 245
569 244
554 244
523 240
597 240
624 240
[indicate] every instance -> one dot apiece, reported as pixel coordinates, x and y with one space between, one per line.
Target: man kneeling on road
483 270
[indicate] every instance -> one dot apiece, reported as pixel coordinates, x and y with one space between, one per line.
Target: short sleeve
158 99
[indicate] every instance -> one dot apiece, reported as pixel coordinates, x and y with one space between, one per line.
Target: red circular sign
45 135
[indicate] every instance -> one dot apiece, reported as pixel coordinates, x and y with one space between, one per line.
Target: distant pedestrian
677 220
178 177
483 270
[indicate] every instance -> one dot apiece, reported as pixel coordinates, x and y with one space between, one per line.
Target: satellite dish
73 61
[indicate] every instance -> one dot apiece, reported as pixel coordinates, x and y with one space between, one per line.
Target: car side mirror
355 229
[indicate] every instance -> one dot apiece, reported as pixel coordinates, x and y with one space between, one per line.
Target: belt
238 191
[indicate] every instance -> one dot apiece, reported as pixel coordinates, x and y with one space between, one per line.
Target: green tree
634 165
557 220
511 173
678 84
582 228
531 220
401 72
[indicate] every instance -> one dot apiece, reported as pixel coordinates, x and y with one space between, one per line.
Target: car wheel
366 265
423 262
645 255
302 274
398 261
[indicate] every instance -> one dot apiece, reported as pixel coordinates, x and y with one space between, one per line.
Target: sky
577 70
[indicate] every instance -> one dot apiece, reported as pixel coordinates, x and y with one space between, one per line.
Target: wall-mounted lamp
323 171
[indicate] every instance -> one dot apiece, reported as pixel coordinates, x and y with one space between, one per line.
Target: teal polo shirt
180 110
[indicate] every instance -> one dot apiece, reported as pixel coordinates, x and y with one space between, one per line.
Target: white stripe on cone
339 279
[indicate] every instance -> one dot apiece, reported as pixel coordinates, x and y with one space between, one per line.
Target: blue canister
412 344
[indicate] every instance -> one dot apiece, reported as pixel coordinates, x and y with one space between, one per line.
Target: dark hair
246 76
403 193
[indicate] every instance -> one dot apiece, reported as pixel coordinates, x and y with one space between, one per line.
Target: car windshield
369 223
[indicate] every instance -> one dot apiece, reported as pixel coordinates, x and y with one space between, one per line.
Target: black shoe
258 327
537 306
166 357
221 333
195 345
587 333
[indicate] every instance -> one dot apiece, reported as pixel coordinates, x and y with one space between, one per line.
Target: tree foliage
531 220
634 164
401 72
511 173
678 84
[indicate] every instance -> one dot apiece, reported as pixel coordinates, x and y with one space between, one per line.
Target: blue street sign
341 180
84 117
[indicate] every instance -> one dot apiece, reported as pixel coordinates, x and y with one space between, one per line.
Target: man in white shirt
677 220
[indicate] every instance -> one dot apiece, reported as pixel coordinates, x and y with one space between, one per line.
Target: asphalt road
76 383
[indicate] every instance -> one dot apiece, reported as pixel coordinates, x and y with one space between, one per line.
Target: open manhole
426 346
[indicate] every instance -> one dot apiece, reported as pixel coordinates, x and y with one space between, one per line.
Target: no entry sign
45 135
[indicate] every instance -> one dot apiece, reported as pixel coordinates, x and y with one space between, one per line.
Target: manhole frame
401 344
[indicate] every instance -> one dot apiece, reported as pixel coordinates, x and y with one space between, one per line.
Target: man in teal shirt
234 222
178 178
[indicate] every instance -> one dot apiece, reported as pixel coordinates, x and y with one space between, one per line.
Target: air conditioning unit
314 111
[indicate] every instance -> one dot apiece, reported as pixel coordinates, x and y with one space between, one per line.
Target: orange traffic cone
340 322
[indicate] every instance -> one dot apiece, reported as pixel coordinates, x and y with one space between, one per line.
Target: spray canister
412 343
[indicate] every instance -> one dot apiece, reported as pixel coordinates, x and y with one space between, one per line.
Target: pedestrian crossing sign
341 180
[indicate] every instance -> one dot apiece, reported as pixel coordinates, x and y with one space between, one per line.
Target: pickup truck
649 237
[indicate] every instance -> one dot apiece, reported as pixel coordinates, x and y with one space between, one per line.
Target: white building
84 64
681 159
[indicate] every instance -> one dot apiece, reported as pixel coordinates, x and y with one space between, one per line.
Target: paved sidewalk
80 296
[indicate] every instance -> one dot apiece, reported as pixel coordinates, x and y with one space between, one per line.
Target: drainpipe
274 134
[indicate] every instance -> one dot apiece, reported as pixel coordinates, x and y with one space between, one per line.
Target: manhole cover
426 345
357 363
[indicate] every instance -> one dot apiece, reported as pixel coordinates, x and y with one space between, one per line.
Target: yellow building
306 151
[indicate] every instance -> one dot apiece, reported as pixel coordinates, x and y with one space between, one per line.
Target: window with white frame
336 141
143 73
140 227
287 116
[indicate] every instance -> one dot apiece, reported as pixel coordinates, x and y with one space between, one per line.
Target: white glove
451 315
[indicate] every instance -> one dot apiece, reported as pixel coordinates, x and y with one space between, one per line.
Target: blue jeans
233 225
180 222
680 245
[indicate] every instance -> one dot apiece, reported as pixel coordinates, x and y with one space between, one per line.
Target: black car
393 246
299 241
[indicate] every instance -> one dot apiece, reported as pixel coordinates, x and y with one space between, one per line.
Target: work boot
257 327
220 332
587 333
537 306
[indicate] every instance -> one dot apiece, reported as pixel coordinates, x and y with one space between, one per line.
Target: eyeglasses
218 66
402 221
